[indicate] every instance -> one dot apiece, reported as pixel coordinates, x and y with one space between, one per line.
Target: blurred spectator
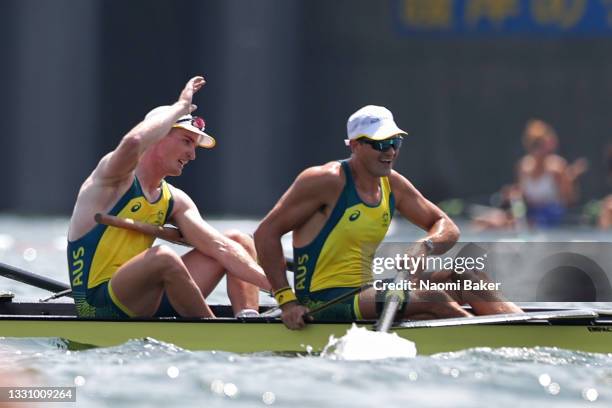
547 183
605 213
509 213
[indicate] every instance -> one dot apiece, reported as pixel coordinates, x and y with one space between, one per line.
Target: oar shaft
386 319
32 279
340 298
309 315
392 305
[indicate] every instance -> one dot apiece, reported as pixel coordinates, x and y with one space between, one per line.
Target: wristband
429 246
284 295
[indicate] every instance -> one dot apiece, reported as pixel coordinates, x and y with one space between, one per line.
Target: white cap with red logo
191 123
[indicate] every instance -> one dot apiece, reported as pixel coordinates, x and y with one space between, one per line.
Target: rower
116 273
339 213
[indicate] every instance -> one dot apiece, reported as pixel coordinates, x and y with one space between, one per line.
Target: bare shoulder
525 165
326 173
182 201
320 179
400 183
556 163
94 196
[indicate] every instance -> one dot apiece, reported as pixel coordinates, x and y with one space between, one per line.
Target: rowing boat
584 330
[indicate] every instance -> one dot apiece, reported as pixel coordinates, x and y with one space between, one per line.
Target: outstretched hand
192 86
579 167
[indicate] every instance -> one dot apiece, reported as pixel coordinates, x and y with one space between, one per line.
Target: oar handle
169 234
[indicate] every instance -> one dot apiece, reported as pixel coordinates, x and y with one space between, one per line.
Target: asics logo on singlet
385 219
354 215
136 207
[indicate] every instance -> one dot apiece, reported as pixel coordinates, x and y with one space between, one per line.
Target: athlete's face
178 148
379 163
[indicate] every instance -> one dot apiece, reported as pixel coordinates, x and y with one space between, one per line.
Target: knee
432 297
237 235
441 304
431 304
240 237
167 260
473 275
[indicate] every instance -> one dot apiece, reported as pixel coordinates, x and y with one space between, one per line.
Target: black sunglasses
384 145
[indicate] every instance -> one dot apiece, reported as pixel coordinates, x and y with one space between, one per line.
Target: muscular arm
309 192
119 164
441 230
114 173
234 258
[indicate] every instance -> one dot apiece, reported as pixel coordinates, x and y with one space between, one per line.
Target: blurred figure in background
605 212
547 182
545 185
507 211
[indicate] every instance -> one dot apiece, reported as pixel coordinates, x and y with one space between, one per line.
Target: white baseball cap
194 124
197 125
373 122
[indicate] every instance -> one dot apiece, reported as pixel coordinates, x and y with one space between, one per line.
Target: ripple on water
157 372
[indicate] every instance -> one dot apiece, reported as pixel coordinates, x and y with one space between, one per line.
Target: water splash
360 343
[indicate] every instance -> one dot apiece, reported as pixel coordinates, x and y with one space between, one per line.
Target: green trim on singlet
349 205
91 297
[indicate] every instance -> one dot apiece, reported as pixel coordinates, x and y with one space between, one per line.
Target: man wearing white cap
339 213
116 273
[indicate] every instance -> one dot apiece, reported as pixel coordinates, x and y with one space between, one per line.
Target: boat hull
259 336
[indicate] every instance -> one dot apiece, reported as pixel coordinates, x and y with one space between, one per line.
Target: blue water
145 372
140 373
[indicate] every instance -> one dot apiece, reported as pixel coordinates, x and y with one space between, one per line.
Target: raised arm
211 242
119 164
441 230
568 175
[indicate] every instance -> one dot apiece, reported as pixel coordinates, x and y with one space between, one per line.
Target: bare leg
207 273
483 302
243 295
140 283
423 304
492 219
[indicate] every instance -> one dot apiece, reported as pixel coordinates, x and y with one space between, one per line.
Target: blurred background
462 77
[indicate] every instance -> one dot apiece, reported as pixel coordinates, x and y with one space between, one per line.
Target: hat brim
205 140
382 133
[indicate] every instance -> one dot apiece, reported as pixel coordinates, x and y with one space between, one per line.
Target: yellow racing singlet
94 258
341 254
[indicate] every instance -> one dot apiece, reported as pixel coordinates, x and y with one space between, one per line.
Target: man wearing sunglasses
339 213
116 273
